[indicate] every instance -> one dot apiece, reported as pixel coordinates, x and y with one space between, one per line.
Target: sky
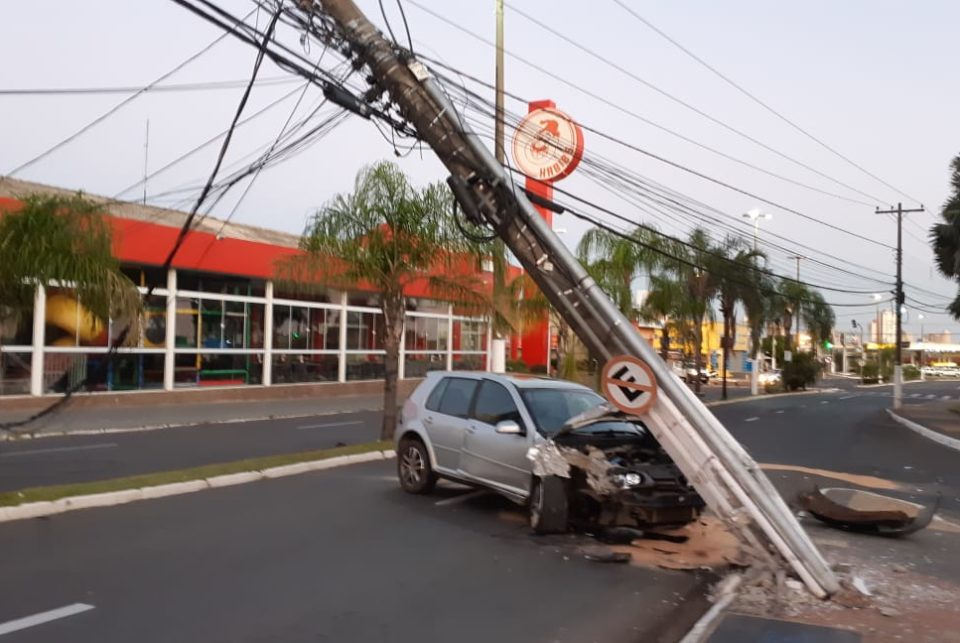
870 78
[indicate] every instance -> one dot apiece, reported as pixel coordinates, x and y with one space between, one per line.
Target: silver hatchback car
552 444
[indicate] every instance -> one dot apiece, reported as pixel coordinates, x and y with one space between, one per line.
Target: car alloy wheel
412 466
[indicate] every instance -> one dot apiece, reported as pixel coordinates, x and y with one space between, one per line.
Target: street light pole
798 258
923 377
755 215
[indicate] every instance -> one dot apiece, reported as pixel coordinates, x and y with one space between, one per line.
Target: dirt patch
709 544
870 482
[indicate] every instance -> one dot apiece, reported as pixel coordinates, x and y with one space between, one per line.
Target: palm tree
390 235
819 317
945 237
615 262
759 304
728 265
68 240
792 294
665 304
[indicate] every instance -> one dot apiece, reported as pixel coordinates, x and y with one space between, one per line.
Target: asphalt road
82 458
340 555
849 432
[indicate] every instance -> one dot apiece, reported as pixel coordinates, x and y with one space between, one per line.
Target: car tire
414 471
548 505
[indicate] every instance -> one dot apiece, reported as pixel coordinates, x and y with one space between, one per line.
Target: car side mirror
508 427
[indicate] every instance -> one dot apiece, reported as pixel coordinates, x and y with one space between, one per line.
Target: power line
763 104
226 141
118 106
638 183
181 87
684 168
700 112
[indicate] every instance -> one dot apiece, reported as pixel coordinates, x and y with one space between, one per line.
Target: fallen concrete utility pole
721 470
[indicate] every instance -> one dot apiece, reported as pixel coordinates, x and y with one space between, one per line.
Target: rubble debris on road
866 511
703 544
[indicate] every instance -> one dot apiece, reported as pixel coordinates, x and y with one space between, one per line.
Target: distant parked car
931 371
769 377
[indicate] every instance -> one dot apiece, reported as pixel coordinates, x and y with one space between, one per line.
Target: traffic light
828 344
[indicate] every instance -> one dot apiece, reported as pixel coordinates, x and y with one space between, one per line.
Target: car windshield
552 407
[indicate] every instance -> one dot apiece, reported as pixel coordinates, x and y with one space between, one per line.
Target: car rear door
446 419
494 458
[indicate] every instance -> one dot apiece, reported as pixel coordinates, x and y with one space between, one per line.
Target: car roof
520 380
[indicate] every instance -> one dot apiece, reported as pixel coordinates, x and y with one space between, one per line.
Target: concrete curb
27 435
113 498
771 396
930 434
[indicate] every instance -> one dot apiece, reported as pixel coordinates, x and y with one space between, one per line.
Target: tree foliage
65 240
945 236
387 235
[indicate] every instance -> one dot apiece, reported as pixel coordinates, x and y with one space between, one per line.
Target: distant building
887 333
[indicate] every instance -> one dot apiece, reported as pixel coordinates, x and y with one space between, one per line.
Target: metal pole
898 303
499 151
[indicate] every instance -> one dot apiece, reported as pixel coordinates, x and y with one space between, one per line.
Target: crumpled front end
618 482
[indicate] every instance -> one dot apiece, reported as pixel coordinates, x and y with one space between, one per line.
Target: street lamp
755 215
922 365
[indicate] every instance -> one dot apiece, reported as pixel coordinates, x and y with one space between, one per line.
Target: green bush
910 372
871 373
517 366
801 371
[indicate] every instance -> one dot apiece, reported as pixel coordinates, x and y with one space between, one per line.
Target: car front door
497 459
446 419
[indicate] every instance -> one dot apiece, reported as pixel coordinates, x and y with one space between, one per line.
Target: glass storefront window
16 330
426 334
365 367
419 364
364 331
15 373
469 362
469 335
154 328
187 321
68 323
218 369
299 367
299 327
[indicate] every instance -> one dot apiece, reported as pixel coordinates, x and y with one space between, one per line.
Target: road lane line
825 402
848 397
14 454
328 425
931 396
780 412
916 395
753 419
945 397
43 617
461 498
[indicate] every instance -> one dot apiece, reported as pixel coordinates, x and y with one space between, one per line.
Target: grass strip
55 492
955 409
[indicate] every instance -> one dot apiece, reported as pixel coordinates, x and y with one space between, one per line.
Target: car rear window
455 399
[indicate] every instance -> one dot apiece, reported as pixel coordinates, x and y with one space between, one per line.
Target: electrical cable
180 87
117 107
758 101
699 111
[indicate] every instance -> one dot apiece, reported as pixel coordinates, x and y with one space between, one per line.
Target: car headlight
628 480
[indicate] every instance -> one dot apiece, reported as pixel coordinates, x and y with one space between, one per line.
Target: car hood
605 412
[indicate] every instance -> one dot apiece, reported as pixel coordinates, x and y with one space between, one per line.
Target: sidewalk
935 416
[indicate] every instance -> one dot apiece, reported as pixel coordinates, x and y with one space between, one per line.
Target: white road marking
931 396
43 617
916 395
825 402
945 397
780 411
848 397
753 419
328 425
14 454
461 498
